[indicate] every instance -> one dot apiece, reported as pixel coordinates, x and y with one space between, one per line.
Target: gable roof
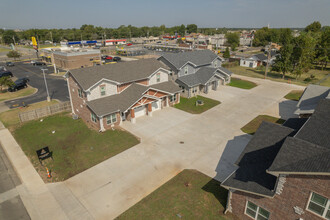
122 72
256 158
317 129
119 102
201 77
124 100
310 98
307 152
297 156
260 57
198 57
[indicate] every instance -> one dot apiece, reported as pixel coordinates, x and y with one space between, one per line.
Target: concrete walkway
37 199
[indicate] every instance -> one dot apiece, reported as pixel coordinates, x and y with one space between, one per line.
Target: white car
33 62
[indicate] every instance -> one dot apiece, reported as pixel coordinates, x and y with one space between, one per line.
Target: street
11 205
56 85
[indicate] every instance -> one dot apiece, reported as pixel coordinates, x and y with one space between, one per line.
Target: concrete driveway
212 141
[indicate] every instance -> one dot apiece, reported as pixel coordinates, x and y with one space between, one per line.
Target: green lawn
75 147
240 83
4 49
304 79
294 95
4 95
189 195
252 126
189 105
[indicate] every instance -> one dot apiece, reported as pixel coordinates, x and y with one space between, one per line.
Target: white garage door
156 105
140 111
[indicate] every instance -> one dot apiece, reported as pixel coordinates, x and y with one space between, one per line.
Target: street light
48 97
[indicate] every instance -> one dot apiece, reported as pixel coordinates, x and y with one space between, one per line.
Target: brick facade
296 192
74 62
108 126
79 104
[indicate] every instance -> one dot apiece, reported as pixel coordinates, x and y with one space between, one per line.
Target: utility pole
268 58
48 97
14 40
51 37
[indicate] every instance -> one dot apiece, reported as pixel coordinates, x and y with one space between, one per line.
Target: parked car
129 44
96 47
10 64
17 86
33 61
23 79
38 63
116 59
106 57
6 73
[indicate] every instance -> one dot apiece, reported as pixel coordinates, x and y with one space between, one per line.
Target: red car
105 57
129 44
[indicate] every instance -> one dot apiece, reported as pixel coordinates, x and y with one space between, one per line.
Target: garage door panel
140 111
156 105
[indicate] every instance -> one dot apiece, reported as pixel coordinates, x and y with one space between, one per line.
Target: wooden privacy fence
44 111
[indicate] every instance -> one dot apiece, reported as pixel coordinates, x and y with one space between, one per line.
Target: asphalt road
11 205
57 86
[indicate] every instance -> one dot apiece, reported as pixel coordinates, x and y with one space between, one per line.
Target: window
80 94
102 89
93 117
185 70
158 77
111 119
173 98
319 205
215 63
256 212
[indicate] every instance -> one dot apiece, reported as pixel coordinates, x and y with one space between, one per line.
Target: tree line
91 32
298 54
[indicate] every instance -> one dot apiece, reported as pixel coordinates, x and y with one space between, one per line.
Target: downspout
67 80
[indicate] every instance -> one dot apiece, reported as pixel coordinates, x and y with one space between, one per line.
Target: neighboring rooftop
310 98
260 56
71 52
123 72
256 158
201 77
198 57
276 149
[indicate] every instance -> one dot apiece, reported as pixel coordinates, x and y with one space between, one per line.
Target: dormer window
102 90
158 77
185 70
215 64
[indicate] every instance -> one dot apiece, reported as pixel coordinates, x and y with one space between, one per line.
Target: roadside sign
34 43
44 153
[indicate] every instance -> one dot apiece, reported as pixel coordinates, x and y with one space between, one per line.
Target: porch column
178 100
101 124
167 101
132 116
150 109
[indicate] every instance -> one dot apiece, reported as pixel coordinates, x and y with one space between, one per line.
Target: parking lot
57 86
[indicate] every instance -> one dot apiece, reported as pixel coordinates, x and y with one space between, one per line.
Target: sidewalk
37 199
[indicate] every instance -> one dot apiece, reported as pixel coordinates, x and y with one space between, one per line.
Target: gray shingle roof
317 129
256 158
260 57
120 102
306 152
297 155
198 57
222 69
120 72
201 77
311 96
169 87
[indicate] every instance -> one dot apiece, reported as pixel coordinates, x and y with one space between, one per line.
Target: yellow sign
34 42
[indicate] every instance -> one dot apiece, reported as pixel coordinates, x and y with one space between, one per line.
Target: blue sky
204 13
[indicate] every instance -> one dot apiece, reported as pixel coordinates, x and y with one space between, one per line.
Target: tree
323 48
5 81
226 54
192 28
233 40
314 27
182 30
9 36
13 54
303 53
283 62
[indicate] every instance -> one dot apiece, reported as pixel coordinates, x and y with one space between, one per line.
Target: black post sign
44 153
